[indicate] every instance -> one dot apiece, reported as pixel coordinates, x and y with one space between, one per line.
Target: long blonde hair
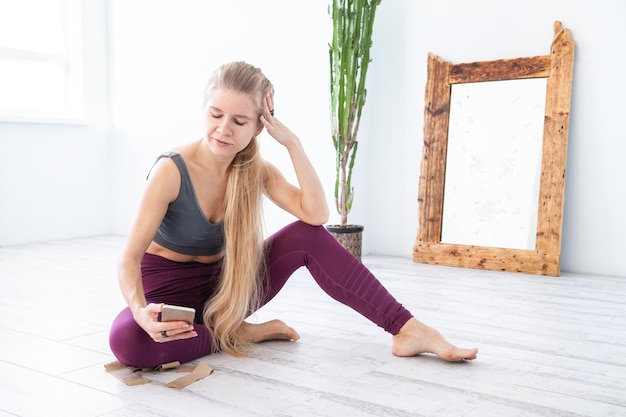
238 291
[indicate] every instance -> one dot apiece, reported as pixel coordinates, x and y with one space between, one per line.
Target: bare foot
271 330
415 338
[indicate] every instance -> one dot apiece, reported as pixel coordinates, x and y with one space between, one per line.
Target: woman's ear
259 130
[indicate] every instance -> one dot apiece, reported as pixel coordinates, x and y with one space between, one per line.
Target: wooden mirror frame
558 69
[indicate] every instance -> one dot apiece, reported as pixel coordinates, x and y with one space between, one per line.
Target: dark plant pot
349 236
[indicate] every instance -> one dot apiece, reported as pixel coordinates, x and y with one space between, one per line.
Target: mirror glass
495 139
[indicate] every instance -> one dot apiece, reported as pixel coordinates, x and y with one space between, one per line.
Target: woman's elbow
314 218
319 218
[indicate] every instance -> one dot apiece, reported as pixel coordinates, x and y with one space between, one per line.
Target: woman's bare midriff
156 249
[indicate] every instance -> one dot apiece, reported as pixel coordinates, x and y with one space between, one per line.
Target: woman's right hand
148 319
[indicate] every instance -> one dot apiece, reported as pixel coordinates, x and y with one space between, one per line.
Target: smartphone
175 313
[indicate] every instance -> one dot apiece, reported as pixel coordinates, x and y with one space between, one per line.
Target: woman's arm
307 203
162 187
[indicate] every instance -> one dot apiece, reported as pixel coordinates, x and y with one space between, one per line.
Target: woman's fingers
268 104
168 333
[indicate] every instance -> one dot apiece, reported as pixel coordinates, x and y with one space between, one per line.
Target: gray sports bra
185 229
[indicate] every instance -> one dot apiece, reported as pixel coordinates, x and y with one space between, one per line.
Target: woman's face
231 120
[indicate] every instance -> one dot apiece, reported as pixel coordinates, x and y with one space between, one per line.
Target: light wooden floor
548 346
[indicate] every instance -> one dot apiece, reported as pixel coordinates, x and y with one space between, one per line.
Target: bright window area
41 67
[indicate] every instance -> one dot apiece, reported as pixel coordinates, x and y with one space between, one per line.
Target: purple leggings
190 284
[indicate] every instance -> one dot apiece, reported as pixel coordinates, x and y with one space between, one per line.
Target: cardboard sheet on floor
134 376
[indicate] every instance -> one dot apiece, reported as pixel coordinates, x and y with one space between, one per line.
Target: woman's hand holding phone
174 327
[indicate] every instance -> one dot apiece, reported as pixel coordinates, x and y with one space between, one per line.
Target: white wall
54 178
56 181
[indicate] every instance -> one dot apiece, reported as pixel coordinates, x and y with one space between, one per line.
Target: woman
197 241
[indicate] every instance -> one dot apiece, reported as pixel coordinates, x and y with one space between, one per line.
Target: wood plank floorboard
548 346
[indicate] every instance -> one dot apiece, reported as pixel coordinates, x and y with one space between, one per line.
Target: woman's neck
208 161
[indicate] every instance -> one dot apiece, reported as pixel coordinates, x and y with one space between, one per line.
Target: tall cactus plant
353 22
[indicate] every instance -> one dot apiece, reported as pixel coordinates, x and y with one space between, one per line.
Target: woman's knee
127 340
300 233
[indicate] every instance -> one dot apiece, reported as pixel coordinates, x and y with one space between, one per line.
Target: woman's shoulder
268 166
164 168
271 175
168 163
269 169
